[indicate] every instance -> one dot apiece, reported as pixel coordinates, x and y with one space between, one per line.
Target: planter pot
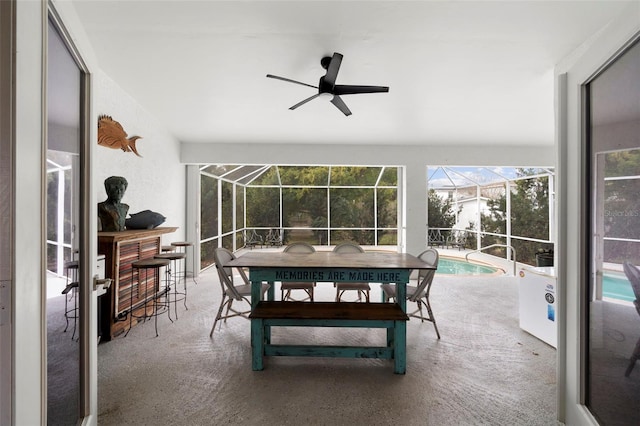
544 259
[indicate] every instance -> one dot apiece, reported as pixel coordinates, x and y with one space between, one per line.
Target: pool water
451 266
616 286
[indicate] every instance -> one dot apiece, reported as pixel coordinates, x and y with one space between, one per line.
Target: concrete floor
484 370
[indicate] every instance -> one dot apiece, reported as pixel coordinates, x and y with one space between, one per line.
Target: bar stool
172 278
158 307
71 273
167 249
182 247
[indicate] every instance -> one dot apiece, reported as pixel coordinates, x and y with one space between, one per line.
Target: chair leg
230 302
419 303
222 303
634 357
433 320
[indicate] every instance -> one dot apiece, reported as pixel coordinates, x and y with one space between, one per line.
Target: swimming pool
616 286
453 266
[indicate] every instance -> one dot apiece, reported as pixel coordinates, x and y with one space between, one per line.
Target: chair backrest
425 276
274 236
435 236
251 237
633 275
299 247
222 256
348 248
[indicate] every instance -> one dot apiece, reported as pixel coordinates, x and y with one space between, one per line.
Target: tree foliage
440 211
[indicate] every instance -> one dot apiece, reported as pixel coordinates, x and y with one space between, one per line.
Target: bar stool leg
174 273
170 280
71 291
154 300
182 247
184 281
130 313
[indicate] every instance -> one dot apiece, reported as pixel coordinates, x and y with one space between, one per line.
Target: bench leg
257 344
390 337
271 296
400 348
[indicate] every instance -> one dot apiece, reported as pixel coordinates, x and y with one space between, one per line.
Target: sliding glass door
613 111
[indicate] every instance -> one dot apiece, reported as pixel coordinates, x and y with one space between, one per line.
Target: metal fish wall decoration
112 135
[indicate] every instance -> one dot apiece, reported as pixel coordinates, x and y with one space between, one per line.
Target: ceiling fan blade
290 81
338 102
345 89
305 101
332 70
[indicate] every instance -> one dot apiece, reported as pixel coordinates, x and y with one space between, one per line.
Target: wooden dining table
324 267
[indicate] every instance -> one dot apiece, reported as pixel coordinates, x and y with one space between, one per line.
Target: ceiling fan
327 85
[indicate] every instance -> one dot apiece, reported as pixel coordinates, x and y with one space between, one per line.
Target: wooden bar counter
121 249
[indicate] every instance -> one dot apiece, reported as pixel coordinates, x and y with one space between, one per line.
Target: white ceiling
462 72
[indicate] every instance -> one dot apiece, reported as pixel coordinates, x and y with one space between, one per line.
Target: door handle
104 282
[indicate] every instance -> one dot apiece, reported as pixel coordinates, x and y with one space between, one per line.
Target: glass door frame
85 233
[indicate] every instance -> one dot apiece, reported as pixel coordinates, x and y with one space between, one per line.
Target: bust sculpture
112 213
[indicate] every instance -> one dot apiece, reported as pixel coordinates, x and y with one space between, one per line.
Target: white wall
576 70
157 180
29 333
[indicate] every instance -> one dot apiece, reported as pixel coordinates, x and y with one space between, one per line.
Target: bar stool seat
172 278
158 307
182 247
182 244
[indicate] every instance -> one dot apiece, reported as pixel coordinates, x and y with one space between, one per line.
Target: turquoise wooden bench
329 314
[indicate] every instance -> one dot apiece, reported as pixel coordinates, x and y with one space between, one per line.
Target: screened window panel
270 177
208 207
206 253
389 177
622 206
68 198
239 207
530 208
263 207
354 176
387 206
358 236
52 205
304 176
240 172
352 208
304 207
218 169
227 207
388 237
